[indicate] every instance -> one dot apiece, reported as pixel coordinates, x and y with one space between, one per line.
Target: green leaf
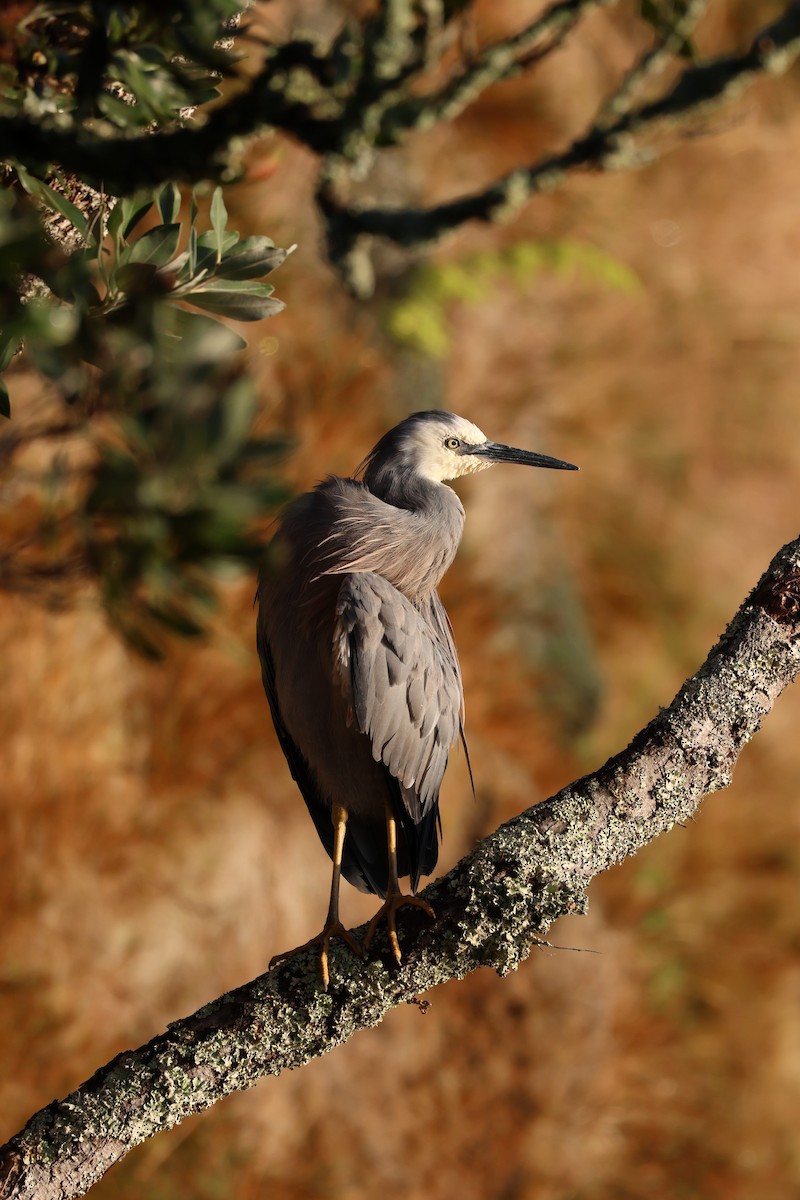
200 338
130 70
72 288
157 246
207 254
54 201
169 203
151 55
9 345
254 257
208 240
5 402
117 111
219 219
136 279
133 209
192 251
114 222
237 299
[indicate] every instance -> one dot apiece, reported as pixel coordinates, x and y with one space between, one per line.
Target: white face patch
426 443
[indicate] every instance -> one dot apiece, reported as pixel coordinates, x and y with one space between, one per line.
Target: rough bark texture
490 910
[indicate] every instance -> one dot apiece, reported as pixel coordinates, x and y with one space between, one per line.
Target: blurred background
156 852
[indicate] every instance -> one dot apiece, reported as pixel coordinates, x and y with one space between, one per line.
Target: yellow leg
395 899
333 927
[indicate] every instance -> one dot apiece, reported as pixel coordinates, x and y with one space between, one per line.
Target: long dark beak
497 453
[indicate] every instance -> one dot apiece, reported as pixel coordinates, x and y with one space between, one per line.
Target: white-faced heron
358 660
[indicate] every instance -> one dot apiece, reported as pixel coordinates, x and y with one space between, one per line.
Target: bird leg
333 927
395 898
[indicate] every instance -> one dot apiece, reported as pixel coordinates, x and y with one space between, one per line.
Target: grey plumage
357 656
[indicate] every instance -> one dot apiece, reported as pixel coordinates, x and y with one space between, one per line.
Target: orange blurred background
156 851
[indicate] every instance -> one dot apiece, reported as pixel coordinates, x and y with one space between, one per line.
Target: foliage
124 276
121 303
174 504
105 264
420 318
178 481
116 65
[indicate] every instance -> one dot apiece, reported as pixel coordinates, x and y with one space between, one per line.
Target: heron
358 659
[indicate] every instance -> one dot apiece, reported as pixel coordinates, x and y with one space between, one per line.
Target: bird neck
403 488
431 539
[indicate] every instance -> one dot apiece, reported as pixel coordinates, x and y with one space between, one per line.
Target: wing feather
402 680
364 859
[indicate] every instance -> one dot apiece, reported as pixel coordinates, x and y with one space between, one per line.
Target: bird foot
388 912
331 929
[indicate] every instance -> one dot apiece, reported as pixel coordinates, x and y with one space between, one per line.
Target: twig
652 62
502 60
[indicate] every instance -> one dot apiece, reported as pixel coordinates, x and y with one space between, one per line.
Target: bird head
439 445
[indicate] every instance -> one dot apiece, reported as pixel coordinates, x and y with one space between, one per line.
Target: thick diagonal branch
490 910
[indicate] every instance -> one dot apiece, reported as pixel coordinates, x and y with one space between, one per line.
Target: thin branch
389 43
490 910
500 61
653 61
699 90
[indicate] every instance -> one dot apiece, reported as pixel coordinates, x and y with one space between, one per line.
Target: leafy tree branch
369 89
491 910
104 263
152 480
172 481
338 100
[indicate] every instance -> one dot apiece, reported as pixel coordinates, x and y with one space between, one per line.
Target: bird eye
452 443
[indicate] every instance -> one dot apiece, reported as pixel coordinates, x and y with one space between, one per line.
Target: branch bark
499 61
618 145
491 909
344 111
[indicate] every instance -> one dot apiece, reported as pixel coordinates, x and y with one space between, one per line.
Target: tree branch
357 96
121 164
334 103
502 60
653 61
490 911
606 146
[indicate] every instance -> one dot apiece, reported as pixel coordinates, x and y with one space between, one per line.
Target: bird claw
331 929
388 911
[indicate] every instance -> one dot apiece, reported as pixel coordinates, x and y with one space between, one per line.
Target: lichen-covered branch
279 96
341 100
607 146
490 910
502 60
361 93
654 60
